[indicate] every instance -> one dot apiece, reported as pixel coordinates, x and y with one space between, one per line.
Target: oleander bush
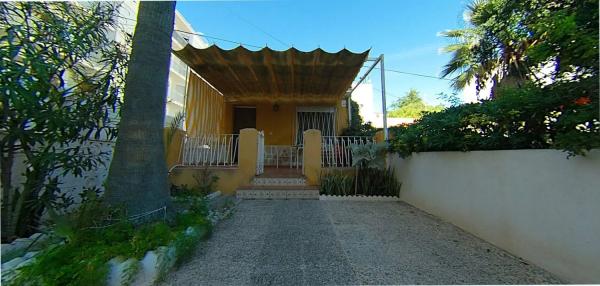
560 116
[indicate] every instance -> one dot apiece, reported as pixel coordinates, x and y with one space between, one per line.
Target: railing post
260 160
248 150
312 156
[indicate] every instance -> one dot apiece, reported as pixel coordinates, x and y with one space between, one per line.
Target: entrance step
278 192
279 181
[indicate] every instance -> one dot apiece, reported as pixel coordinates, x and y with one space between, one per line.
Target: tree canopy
512 42
60 80
412 106
357 126
541 58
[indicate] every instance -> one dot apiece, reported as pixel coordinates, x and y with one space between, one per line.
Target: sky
405 31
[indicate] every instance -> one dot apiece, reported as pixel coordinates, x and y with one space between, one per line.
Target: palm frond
175 124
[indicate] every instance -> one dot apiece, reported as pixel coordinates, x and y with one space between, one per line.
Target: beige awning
242 74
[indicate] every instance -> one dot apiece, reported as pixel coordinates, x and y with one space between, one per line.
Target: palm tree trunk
137 179
8 193
494 86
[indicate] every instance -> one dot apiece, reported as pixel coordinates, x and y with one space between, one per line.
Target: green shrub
83 258
186 244
206 183
357 126
561 116
378 182
371 182
370 155
337 183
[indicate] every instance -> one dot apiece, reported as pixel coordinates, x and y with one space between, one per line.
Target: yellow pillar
312 156
248 151
379 136
173 150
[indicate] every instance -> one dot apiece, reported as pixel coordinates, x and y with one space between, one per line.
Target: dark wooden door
243 117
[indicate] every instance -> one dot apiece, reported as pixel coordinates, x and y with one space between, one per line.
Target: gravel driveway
298 242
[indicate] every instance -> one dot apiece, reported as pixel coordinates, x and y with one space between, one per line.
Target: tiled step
278 192
281 181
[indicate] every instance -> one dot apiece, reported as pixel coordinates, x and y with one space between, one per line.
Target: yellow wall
312 156
172 150
230 178
341 114
279 126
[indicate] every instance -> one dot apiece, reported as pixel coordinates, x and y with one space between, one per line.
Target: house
183 34
265 120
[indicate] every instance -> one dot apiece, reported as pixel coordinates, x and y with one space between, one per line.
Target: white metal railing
211 150
336 151
283 155
260 160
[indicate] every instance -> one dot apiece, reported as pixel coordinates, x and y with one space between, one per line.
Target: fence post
312 156
260 160
379 137
248 151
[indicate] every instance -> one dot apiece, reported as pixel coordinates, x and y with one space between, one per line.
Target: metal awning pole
366 74
383 105
349 94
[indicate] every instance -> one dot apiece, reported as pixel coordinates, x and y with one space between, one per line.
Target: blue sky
405 31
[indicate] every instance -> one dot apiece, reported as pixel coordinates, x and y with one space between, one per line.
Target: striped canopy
242 74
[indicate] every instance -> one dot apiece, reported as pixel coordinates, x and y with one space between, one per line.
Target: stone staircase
269 187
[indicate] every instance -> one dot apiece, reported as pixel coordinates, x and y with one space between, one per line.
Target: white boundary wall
535 204
71 185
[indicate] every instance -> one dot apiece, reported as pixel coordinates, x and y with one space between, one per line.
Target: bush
371 182
561 116
206 183
337 183
83 258
378 182
357 126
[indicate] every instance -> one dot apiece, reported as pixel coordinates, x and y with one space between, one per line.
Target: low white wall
535 204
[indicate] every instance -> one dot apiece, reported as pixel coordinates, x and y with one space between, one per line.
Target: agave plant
368 156
336 183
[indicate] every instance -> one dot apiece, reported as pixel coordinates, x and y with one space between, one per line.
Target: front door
243 117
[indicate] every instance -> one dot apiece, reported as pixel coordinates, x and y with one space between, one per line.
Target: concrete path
339 242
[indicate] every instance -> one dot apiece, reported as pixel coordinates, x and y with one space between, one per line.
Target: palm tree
490 48
137 178
472 59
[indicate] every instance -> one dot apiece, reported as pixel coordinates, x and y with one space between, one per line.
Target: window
178 66
320 118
